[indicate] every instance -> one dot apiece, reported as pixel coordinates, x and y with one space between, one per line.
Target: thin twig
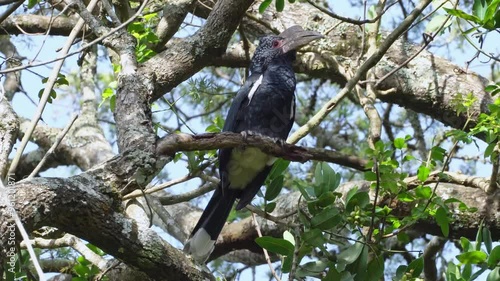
69 240
427 40
267 216
174 199
51 150
138 193
349 20
266 254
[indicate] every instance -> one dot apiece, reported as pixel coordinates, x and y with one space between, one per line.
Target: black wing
233 120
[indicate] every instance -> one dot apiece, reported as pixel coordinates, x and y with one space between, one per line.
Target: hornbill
265 105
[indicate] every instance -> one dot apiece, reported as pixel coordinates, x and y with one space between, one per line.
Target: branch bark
171 144
74 205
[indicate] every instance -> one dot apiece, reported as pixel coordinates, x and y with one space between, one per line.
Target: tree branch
173 143
74 205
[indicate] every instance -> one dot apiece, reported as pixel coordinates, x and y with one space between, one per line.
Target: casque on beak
296 37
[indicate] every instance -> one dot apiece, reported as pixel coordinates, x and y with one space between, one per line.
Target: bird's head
281 47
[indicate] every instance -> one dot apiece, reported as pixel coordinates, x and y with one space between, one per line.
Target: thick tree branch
431 250
183 59
174 13
37 24
74 205
171 144
8 133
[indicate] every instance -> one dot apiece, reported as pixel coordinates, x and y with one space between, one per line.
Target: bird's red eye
276 43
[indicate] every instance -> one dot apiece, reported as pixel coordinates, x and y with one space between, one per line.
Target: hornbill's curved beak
296 37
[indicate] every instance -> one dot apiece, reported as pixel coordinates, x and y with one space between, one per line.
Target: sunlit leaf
275 245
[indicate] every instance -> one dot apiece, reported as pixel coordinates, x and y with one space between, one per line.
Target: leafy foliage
485 14
60 81
145 36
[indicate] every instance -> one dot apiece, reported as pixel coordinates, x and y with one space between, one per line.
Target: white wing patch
292 112
255 86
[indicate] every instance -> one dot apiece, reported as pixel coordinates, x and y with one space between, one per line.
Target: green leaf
332 275
278 168
270 206
370 176
360 266
416 267
107 93
491 88
399 143
274 188
324 175
494 257
473 257
479 8
314 237
479 236
96 249
478 273
423 173
405 197
275 245
376 268
212 128
320 189
313 268
112 103
326 199
497 19
443 221
466 245
423 192
32 3
263 6
488 243
401 271
467 271
438 153
326 219
463 15
494 275
351 254
361 199
287 264
351 193
280 5
135 27
81 270
303 191
452 271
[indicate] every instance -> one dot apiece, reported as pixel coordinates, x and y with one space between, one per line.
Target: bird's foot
248 133
280 142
